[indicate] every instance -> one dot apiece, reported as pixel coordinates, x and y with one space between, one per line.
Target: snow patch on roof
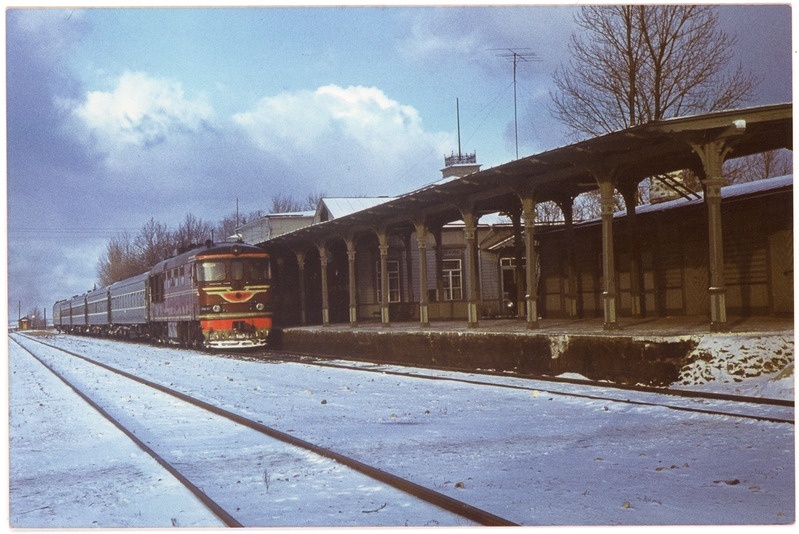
730 191
340 207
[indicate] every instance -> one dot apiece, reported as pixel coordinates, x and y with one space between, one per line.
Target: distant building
24 323
273 225
276 224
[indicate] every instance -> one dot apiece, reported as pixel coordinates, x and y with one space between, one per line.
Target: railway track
73 368
756 408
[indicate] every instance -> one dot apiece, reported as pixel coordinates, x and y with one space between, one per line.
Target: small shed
24 323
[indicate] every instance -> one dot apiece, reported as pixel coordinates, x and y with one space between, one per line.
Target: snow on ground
70 467
533 457
750 365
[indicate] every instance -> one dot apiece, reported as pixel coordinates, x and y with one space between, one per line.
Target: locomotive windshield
255 271
260 270
249 270
211 271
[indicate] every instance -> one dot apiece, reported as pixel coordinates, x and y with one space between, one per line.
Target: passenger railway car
213 296
129 307
96 311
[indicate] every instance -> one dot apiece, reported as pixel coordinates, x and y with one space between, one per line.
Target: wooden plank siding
758 261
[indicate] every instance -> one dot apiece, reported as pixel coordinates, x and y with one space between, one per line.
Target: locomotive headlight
217 308
259 306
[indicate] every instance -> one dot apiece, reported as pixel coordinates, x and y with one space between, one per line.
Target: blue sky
115 116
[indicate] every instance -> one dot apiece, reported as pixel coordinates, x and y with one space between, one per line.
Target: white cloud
356 137
341 140
426 42
355 131
141 111
364 115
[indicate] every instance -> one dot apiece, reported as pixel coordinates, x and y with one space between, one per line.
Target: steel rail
315 360
441 500
212 505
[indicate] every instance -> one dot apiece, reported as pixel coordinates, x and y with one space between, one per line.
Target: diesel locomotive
212 296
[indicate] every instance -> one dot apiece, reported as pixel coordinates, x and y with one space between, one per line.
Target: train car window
157 288
211 271
237 269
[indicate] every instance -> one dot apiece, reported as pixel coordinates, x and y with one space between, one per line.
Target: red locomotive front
234 294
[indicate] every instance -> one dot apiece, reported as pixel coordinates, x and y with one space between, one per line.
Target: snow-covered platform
653 351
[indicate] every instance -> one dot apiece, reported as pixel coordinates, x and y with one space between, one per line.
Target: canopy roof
629 155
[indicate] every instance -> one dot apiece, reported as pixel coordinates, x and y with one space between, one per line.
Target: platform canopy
630 155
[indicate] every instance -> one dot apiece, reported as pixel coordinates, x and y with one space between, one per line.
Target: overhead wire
32 232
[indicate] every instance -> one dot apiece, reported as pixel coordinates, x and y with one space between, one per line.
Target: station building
468 247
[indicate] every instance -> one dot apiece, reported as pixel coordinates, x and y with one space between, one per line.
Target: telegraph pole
517 55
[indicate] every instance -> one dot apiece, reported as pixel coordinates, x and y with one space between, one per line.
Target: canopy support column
566 204
382 238
353 283
470 236
606 188
712 156
518 261
531 270
325 297
424 306
630 194
301 268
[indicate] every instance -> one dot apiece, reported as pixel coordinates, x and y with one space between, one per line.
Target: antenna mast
517 55
461 158
458 113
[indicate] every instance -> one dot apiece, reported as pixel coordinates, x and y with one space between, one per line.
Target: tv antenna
517 55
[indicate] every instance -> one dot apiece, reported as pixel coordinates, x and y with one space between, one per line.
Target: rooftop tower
460 164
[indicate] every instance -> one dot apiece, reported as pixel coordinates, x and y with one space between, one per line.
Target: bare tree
192 230
36 318
119 261
226 227
153 244
285 203
313 199
631 64
759 166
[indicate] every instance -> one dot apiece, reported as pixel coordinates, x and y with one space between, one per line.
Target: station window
451 272
393 282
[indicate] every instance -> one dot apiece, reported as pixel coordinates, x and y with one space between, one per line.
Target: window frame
394 290
452 292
